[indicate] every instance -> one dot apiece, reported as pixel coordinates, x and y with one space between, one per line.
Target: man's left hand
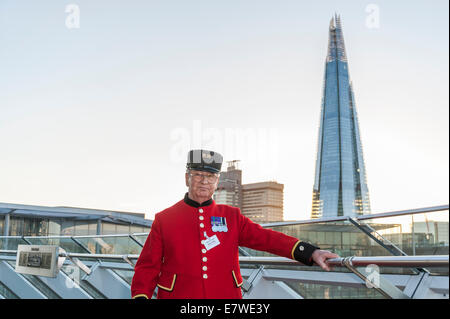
320 258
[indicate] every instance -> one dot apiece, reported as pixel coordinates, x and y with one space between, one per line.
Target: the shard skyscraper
340 186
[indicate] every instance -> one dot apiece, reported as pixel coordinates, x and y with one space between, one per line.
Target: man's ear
187 179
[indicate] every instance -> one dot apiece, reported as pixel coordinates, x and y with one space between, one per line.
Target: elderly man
192 249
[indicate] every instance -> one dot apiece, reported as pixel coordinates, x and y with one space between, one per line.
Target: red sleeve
148 266
254 236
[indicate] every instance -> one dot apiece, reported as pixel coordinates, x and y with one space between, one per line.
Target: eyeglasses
210 178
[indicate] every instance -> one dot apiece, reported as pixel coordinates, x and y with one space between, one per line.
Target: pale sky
100 112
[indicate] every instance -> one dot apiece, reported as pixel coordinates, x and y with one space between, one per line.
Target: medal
218 224
224 227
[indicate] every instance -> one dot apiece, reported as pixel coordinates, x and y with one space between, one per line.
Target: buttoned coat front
175 259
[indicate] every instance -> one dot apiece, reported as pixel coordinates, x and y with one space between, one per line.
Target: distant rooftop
74 213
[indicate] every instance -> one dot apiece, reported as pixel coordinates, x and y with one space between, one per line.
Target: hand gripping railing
382 261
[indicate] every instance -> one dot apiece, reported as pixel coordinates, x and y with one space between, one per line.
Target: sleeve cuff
303 251
140 296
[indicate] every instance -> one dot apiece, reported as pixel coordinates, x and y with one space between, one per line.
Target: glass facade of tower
340 186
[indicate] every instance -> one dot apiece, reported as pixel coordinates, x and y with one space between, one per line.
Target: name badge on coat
210 242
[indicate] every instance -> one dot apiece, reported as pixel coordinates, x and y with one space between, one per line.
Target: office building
229 189
261 202
31 220
340 186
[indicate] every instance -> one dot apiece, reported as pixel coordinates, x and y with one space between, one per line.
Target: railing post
381 285
412 234
6 230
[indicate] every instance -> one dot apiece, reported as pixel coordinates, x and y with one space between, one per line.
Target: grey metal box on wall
39 260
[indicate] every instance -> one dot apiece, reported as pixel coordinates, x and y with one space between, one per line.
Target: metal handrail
362 217
395 261
356 261
407 212
73 236
384 261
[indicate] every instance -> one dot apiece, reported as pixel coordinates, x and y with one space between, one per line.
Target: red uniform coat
174 258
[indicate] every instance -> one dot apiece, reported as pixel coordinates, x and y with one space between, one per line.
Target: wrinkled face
201 184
